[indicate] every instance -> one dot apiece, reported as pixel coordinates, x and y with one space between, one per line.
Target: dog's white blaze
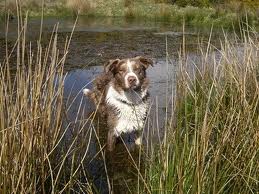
131 117
130 73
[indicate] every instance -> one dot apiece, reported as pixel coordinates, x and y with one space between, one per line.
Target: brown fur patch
114 73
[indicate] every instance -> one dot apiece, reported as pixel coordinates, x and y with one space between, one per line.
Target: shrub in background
80 6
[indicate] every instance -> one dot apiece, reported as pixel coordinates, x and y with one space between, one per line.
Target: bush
80 6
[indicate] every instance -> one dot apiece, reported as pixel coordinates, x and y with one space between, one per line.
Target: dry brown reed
32 130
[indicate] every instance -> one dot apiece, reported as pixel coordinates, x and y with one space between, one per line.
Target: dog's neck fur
130 107
130 96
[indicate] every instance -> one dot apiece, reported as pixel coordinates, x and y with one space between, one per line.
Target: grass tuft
81 6
211 143
38 153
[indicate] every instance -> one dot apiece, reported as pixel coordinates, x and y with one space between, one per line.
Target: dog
121 95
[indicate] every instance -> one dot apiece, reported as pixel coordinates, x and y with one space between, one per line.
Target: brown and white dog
121 95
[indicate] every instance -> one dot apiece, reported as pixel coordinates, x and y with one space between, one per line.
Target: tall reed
33 158
211 143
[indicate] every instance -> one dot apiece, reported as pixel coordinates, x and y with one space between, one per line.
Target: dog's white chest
130 117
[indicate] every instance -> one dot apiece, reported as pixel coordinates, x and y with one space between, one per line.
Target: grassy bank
203 14
211 143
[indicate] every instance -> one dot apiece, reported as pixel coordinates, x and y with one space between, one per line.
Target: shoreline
192 16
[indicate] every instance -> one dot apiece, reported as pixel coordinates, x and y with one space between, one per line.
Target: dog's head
129 73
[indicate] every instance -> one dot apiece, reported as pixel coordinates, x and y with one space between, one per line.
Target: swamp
202 128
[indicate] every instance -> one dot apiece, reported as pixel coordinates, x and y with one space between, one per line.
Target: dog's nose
132 79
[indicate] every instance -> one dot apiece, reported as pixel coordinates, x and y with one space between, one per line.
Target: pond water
97 40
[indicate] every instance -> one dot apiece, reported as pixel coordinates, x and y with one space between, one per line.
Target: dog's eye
138 70
121 72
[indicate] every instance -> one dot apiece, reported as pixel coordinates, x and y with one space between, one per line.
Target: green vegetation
195 12
211 143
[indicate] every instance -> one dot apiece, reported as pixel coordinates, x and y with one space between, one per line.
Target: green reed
210 144
211 141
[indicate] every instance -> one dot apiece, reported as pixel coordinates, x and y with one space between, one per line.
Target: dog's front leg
111 140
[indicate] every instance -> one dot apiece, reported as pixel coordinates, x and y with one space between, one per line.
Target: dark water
95 41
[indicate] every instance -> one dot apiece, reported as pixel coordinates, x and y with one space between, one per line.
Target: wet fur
108 111
98 93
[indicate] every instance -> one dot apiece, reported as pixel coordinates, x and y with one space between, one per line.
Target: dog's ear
145 61
111 65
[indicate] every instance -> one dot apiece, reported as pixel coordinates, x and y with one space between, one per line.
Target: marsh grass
81 6
36 156
211 142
